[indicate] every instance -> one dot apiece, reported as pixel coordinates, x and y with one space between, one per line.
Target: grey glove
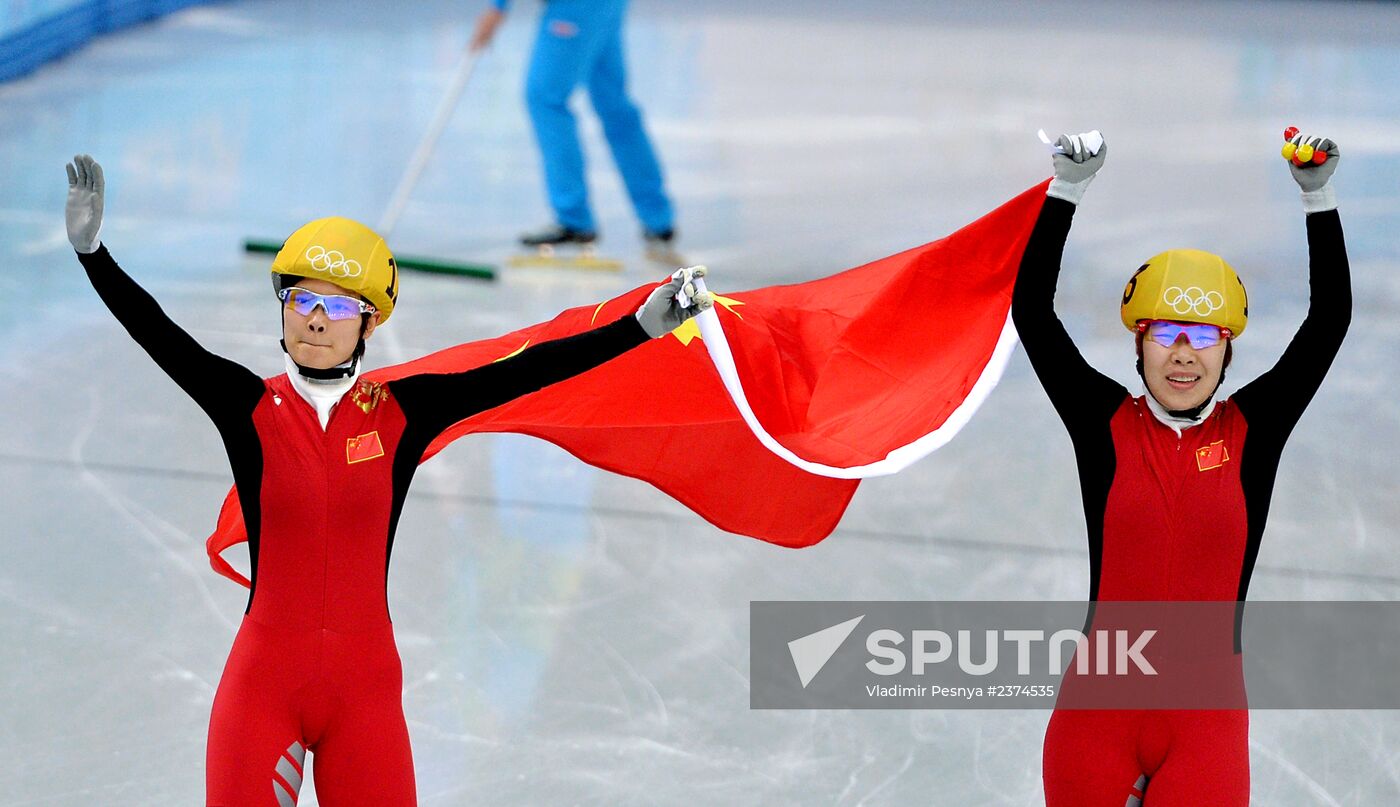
663 313
85 199
1315 180
1076 166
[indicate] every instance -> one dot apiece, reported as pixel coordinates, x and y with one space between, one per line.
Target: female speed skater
322 460
1176 482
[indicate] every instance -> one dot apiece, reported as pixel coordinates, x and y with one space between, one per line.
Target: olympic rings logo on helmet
1193 300
332 262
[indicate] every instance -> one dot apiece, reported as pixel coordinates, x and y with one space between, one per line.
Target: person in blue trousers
579 42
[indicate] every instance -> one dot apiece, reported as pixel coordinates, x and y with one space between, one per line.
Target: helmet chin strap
1185 414
336 373
345 369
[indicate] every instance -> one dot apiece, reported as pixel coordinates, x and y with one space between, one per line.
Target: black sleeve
1084 397
1273 402
224 389
433 402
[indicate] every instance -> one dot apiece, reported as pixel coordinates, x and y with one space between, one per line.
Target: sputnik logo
811 652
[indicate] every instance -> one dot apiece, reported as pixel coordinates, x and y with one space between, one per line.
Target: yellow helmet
1186 285
345 252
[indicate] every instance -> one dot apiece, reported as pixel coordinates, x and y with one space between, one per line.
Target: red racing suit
1170 517
314 665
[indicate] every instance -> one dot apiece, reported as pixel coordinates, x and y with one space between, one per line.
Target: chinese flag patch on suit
364 447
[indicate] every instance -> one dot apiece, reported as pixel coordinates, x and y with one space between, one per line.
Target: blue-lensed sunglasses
1200 335
336 306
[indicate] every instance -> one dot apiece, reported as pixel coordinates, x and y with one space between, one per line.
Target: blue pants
580 42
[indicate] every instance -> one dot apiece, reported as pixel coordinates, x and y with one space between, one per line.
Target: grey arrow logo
811 652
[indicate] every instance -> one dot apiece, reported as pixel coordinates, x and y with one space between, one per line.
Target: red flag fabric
842 371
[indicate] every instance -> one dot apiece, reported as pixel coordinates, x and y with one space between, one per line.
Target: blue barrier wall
36 31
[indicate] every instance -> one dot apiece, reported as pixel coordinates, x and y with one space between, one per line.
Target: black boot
661 240
551 236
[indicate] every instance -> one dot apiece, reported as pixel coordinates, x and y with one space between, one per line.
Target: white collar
322 395
1176 423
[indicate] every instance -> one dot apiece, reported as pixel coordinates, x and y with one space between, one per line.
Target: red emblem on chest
1212 456
364 447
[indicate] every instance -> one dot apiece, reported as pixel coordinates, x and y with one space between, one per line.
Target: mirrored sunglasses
1199 335
336 306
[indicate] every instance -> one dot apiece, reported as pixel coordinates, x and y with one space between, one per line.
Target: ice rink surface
571 637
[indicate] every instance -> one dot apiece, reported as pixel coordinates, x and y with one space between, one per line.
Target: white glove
1314 180
663 312
83 212
1077 160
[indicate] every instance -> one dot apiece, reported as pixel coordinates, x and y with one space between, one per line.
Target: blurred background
570 636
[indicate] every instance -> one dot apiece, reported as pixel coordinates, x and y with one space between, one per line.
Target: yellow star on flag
691 329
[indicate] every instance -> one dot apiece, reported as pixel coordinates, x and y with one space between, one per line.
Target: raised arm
434 402
1276 400
1079 393
222 388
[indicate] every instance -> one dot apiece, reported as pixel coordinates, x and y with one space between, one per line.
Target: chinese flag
842 371
1212 456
